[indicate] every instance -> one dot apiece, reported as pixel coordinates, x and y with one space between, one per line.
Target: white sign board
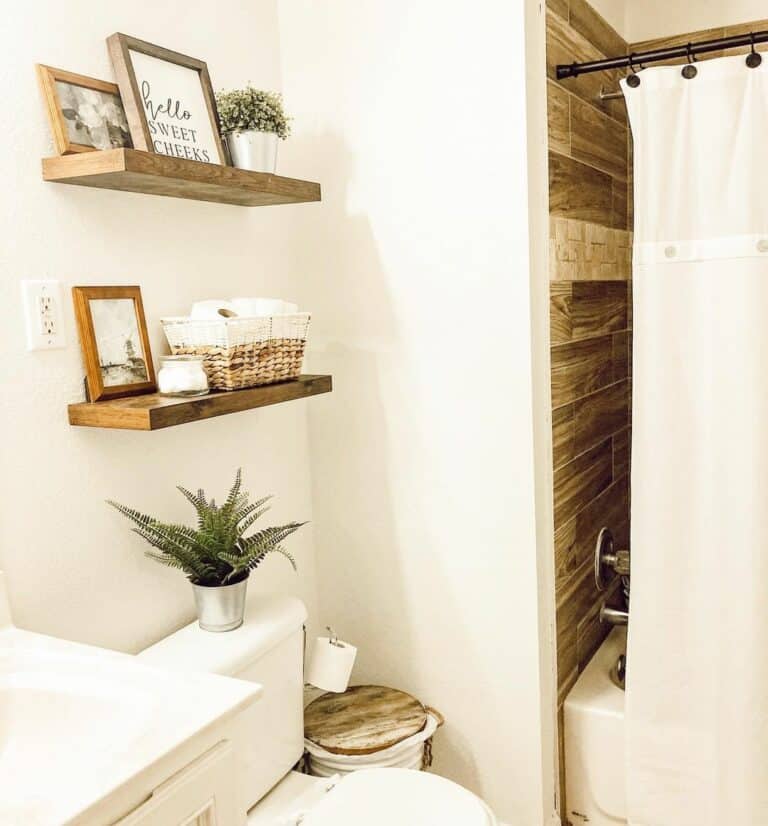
174 104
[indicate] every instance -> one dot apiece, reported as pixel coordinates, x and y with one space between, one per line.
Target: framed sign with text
168 100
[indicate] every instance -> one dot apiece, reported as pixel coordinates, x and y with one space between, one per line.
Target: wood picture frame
114 340
60 91
166 130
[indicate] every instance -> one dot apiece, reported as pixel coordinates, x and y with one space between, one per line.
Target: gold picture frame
85 114
114 341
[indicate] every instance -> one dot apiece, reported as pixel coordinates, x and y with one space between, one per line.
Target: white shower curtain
697 663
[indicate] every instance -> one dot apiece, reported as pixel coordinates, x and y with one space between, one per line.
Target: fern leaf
164 559
247 509
231 559
171 541
196 503
217 551
260 557
135 516
234 492
288 556
269 537
243 526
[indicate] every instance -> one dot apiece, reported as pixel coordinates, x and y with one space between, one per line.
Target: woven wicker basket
242 352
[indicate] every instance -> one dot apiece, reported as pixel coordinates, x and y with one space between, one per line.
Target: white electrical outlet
42 313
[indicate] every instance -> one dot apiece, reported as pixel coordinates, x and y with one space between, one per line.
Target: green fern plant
217 551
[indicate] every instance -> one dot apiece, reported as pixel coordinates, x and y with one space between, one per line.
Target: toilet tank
268 649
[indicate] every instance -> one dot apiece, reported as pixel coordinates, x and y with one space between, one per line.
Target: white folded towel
254 307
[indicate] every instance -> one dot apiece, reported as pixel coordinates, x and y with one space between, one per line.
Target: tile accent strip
585 251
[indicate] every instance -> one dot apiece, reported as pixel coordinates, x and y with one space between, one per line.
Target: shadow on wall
389 571
380 577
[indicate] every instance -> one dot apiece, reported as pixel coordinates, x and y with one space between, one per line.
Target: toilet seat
383 797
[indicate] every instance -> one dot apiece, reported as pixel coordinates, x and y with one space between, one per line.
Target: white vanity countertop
78 722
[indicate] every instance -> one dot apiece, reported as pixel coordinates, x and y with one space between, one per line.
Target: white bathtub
594 741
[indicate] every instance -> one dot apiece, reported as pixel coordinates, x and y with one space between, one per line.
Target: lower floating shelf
153 411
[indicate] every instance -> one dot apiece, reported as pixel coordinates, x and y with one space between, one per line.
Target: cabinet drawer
201 794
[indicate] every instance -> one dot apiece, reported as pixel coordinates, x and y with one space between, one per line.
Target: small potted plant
251 122
216 556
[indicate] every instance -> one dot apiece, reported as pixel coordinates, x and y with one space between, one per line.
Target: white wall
614 12
661 18
416 267
74 569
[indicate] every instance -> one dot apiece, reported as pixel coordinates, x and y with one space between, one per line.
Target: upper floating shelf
131 170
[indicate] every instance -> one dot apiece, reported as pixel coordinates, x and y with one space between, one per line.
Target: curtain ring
754 58
633 81
689 70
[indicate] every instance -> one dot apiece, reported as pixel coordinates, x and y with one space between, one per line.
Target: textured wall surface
418 272
728 28
416 268
661 19
74 568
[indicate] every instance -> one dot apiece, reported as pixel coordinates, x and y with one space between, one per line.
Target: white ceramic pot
253 150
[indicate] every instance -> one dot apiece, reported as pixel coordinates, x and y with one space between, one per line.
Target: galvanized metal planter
220 607
256 151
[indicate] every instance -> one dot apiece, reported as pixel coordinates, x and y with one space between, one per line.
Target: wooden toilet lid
363 720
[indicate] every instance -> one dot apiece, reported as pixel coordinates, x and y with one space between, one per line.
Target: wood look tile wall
590 325
591 399
582 251
591 219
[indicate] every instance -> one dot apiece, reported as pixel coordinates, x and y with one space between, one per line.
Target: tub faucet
613 616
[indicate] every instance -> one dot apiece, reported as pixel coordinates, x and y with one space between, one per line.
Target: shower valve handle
619 561
609 562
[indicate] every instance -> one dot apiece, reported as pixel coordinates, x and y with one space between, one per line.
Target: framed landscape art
113 336
85 113
168 100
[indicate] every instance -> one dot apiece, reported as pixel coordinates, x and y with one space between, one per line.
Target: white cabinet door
201 794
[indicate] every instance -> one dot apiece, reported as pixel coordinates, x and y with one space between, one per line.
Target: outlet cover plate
43 315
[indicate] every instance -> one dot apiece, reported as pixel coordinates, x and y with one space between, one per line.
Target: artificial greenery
249 108
217 552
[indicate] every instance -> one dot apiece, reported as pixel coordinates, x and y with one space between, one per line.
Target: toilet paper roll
330 664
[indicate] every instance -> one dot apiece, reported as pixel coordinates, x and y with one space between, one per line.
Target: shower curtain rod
637 59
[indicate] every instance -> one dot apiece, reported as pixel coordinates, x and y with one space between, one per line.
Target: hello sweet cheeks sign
168 100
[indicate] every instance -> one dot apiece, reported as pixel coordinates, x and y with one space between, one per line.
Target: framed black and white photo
85 113
168 100
113 336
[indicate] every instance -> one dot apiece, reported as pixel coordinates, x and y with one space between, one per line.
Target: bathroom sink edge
174 732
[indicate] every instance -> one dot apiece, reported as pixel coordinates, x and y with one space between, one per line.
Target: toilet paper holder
329 663
333 639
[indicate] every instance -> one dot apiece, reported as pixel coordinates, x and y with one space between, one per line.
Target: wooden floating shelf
153 411
131 170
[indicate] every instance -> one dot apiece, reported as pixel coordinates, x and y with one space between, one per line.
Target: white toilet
269 649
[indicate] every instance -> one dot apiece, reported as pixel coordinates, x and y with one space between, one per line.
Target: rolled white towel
209 309
256 307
